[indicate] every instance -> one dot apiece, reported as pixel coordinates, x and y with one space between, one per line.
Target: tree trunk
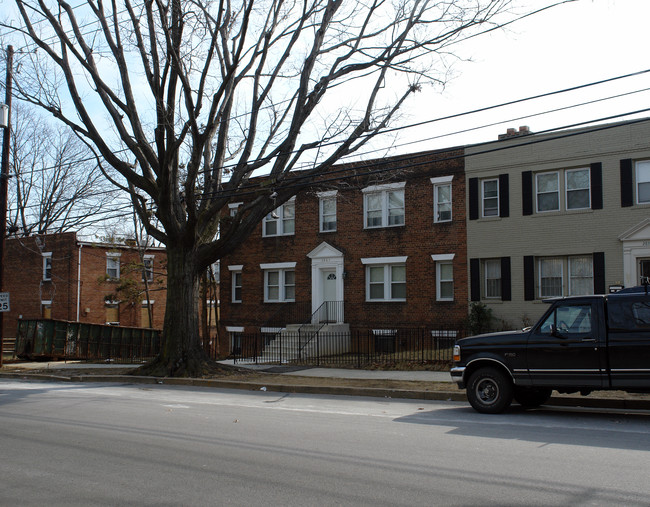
181 354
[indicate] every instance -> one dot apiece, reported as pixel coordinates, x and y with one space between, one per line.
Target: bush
479 319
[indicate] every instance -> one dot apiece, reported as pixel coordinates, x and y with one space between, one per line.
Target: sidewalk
444 388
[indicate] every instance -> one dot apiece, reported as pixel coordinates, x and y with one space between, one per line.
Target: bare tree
55 185
201 94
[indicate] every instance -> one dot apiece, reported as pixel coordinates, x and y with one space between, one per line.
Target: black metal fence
355 349
59 339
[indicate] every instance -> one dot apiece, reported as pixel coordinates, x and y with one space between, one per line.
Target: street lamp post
4 176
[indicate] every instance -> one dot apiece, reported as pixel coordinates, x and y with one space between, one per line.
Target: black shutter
506 291
473 198
599 273
627 183
596 185
529 278
527 192
504 196
475 279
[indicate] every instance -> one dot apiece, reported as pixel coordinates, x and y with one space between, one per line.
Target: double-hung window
444 276
385 278
581 275
490 197
384 205
279 282
548 191
47 266
281 221
550 277
113 266
147 268
577 188
643 182
327 211
236 279
492 272
442 198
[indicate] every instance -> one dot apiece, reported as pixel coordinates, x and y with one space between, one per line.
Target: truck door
629 341
563 349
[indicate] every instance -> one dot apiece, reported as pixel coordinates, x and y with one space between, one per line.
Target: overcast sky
571 45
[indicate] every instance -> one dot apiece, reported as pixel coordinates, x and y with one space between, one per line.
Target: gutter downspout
79 282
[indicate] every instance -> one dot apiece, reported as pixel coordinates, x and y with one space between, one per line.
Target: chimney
524 130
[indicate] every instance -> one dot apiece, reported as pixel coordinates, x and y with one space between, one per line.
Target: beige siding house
557 214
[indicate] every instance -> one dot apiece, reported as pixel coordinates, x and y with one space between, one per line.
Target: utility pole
4 180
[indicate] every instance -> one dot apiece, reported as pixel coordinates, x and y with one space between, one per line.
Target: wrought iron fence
60 339
355 349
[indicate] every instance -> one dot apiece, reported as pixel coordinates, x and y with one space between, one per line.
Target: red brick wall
418 240
23 279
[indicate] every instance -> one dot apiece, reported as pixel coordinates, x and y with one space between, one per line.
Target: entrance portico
636 253
327 282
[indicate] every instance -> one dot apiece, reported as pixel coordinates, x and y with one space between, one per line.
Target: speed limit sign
4 301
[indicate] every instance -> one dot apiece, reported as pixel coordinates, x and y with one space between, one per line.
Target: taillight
456 353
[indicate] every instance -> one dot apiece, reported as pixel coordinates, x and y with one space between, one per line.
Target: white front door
327 283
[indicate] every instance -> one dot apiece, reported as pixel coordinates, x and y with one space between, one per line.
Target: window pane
548 202
547 182
577 199
446 271
376 274
581 276
396 208
398 282
548 198
288 218
493 278
270 226
490 198
550 277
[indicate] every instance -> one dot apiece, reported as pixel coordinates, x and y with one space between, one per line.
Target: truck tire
532 397
489 391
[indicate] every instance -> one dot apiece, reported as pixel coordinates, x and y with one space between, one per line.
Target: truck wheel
532 397
489 391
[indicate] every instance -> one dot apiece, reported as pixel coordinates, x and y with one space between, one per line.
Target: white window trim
280 220
148 257
47 256
332 194
386 262
559 190
233 275
236 267
235 329
637 163
441 179
114 256
233 207
46 302
383 190
570 275
383 187
443 257
281 267
278 265
440 259
566 187
485 278
563 260
483 182
440 182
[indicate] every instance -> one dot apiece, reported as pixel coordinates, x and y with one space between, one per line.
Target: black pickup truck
581 344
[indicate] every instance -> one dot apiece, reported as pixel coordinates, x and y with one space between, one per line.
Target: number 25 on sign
4 301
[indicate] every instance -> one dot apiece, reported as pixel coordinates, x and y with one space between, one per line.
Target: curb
558 400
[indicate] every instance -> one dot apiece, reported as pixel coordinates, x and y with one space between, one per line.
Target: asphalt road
107 444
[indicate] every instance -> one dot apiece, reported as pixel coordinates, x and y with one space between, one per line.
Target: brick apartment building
381 247
57 276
